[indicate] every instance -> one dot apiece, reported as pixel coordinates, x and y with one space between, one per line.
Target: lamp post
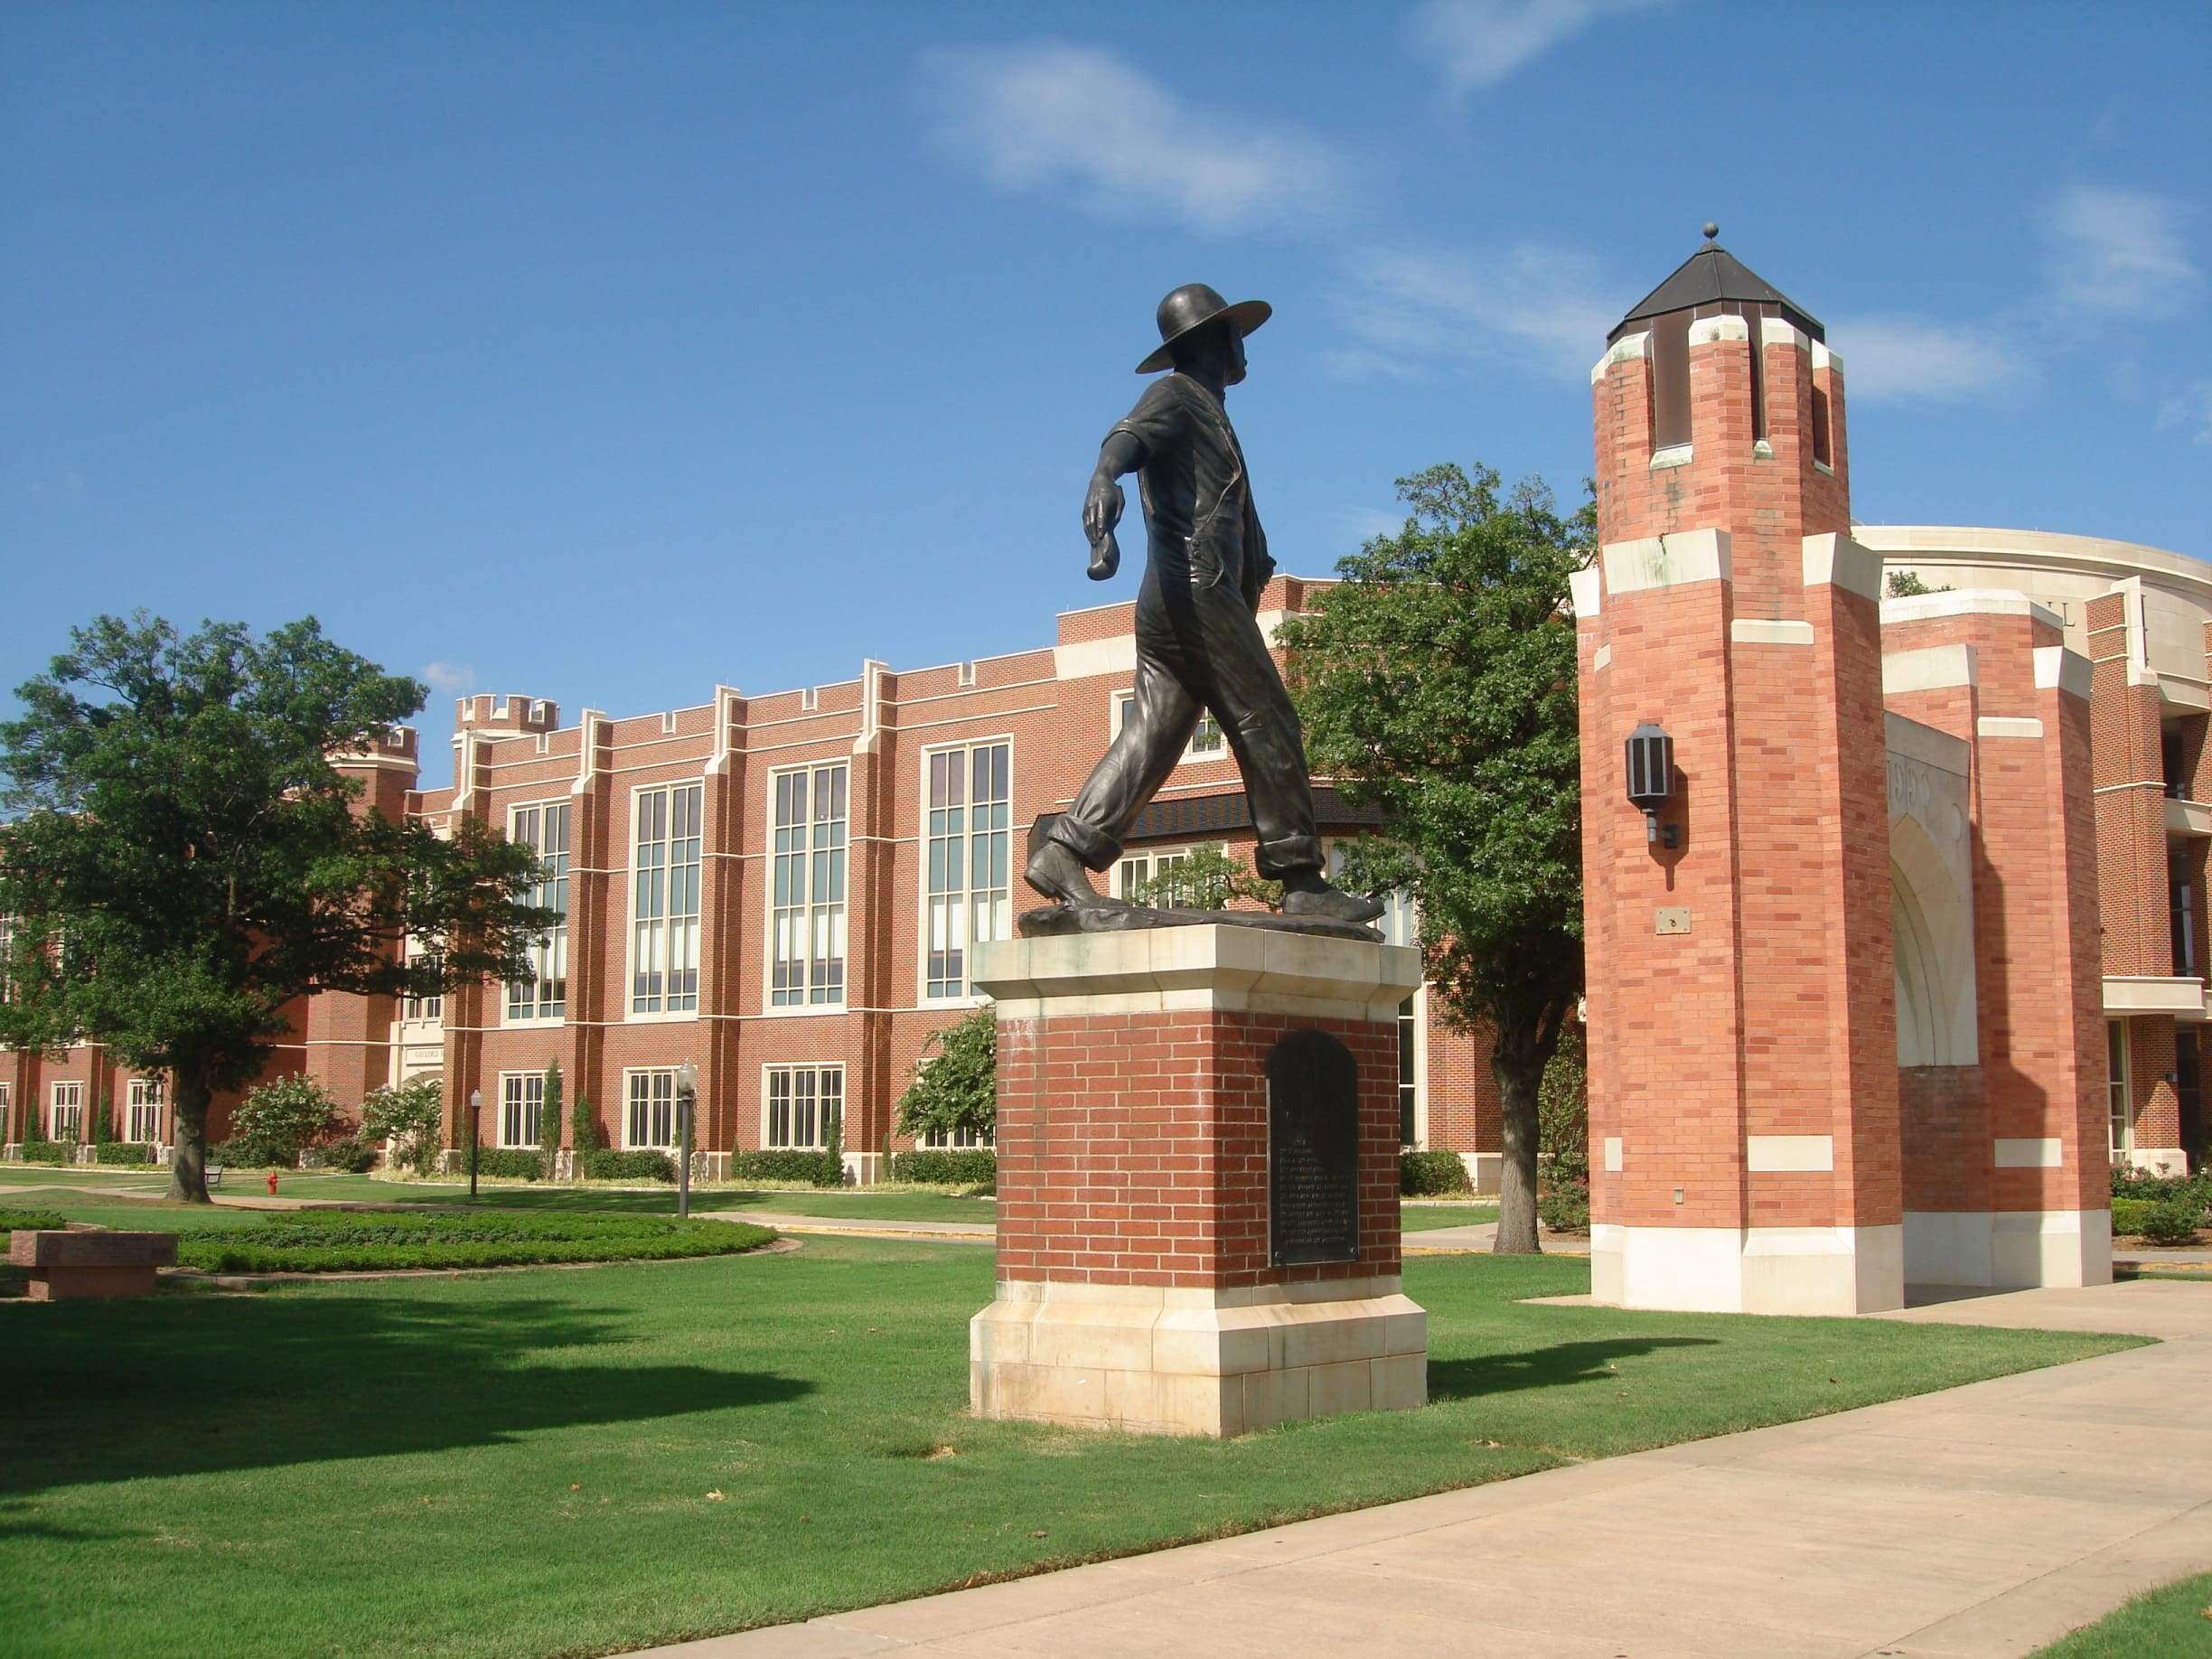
475 1110
1651 781
687 1099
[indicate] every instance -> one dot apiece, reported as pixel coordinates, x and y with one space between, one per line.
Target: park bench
67 1267
213 1172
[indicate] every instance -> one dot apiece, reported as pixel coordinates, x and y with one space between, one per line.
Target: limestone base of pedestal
1162 1360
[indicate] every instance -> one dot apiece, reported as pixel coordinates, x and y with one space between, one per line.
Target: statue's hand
1102 509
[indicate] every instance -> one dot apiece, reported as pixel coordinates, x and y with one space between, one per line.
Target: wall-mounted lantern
1651 781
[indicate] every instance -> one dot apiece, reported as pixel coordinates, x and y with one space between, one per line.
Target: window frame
667 921
632 1075
1117 716
2120 1089
145 1094
515 1095
56 1105
818 1070
1149 857
966 747
555 950
800 999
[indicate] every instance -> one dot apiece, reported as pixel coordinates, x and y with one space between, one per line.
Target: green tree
1207 878
955 1089
409 1120
280 1119
549 1120
101 1129
832 1173
584 1136
186 860
1436 683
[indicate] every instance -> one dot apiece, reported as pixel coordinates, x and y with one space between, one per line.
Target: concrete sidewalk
1984 1520
861 1227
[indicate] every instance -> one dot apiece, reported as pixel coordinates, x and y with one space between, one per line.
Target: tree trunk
1518 1071
188 1156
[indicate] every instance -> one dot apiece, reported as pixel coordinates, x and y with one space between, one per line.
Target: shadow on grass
1553 1367
119 1390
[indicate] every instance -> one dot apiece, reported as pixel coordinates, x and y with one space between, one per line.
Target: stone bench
67 1267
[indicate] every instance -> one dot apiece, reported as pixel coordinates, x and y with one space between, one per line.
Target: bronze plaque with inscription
1313 1150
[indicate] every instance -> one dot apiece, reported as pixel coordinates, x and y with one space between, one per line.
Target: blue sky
606 352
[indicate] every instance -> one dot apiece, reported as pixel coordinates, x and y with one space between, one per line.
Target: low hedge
122 1152
349 1157
1565 1208
342 1240
775 1165
31 1220
2158 1220
613 1166
967 1166
1425 1175
2128 1182
507 1163
48 1152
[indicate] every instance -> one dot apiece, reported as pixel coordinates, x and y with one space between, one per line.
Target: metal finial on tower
1712 230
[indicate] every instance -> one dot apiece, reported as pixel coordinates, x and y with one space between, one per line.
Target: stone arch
1932 924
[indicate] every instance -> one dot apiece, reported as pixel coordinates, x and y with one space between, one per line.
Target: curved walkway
1976 1524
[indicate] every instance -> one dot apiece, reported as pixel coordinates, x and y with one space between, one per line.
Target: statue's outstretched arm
1122 452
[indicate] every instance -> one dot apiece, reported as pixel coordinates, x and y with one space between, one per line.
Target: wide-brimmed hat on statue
1189 309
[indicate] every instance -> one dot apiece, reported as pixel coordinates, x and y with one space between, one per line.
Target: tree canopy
1437 681
956 1089
184 860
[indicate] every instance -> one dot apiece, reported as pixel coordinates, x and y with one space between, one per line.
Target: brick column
1137 1284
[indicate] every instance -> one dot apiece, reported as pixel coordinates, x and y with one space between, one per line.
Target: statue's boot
1310 896
1059 875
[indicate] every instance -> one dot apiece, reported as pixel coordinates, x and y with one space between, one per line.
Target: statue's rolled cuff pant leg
1096 849
1284 856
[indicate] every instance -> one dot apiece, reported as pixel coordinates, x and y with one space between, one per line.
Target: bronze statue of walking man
1198 644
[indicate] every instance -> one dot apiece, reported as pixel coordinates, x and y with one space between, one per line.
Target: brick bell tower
1743 1056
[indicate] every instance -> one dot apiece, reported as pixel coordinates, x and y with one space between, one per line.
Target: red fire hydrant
272 1183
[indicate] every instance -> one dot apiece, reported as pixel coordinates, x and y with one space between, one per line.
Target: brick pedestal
69 1266
1137 1284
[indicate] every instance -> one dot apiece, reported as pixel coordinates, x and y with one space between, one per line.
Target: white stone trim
1705 330
1210 967
1586 588
1176 1361
1930 668
1672 455
1930 746
2038 1152
1781 331
1751 631
2008 1249
1088 659
2143 993
1779 1154
1822 358
2006 725
1751 1270
1833 559
1666 561
1613 1155
2157 1160
2187 818
2065 671
1626 348
1602 658
1967 602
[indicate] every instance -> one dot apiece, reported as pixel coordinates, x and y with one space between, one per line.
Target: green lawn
551 1463
2174 1622
1428 1217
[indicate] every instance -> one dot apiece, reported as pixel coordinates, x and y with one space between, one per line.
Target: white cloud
1543 308
1049 116
2116 253
1479 42
2193 408
1901 359
448 679
1364 524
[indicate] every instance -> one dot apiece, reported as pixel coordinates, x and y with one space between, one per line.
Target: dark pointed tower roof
1712 276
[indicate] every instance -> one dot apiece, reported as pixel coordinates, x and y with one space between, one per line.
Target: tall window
969 898
2116 1064
7 1111
806 926
801 1099
1206 740
651 1118
66 1122
544 995
521 1108
434 1006
664 951
144 1109
2184 916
